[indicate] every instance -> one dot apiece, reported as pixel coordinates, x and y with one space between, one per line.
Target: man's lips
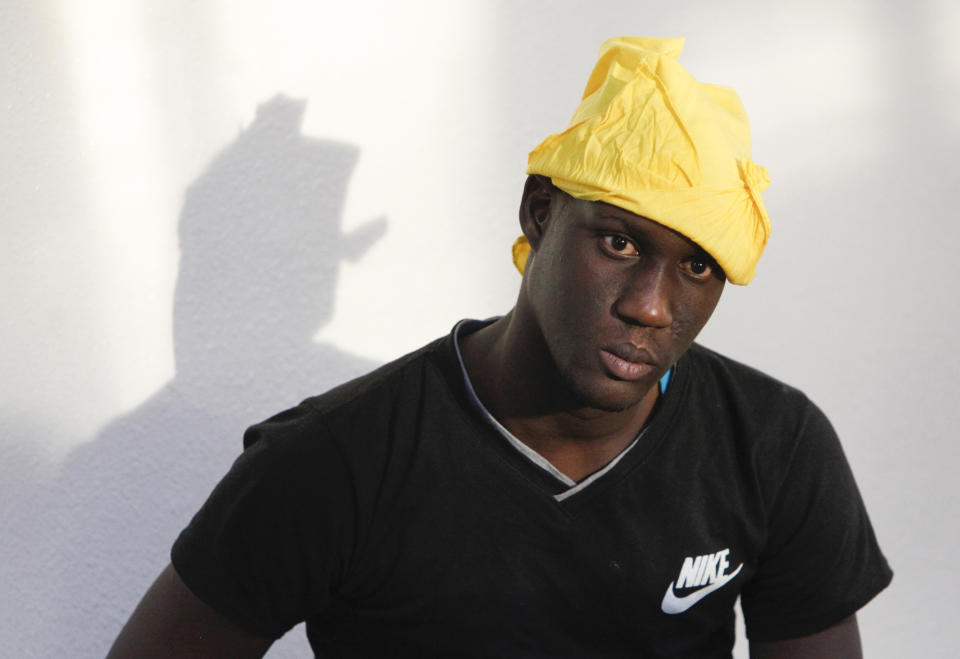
625 361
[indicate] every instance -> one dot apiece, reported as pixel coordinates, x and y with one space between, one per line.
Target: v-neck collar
567 486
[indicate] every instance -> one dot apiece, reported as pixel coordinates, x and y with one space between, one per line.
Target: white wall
212 209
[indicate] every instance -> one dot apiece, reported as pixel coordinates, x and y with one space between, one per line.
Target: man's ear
535 208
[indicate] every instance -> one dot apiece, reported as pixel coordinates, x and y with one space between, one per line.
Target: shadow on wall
261 243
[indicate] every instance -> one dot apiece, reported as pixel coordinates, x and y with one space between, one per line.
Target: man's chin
610 406
611 395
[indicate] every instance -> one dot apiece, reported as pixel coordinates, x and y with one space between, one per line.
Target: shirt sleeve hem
783 631
208 596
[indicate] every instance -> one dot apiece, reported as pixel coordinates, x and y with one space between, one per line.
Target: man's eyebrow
639 231
621 218
629 224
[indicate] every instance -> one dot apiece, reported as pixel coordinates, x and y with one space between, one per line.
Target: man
574 479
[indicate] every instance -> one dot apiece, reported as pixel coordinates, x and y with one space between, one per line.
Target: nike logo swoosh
672 604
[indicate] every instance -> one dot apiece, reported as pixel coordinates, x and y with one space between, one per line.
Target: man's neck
516 380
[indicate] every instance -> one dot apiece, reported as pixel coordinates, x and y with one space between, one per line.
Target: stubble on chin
584 397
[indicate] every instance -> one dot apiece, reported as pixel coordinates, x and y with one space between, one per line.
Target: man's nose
646 299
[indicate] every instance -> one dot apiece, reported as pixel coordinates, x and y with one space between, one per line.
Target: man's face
617 297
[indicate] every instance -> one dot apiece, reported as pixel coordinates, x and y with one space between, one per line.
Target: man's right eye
619 245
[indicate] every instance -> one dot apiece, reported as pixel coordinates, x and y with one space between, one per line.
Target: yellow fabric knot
757 180
521 252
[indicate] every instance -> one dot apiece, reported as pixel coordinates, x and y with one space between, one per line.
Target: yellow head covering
649 138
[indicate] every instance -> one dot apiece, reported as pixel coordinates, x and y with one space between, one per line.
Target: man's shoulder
770 421
729 371
362 402
719 379
389 380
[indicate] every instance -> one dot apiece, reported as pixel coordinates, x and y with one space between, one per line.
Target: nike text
701 570
707 573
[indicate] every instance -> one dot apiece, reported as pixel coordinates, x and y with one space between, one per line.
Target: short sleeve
267 548
821 562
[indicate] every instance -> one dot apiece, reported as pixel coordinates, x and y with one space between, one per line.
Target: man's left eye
700 268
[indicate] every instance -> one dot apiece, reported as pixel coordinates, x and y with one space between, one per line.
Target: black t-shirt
397 521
